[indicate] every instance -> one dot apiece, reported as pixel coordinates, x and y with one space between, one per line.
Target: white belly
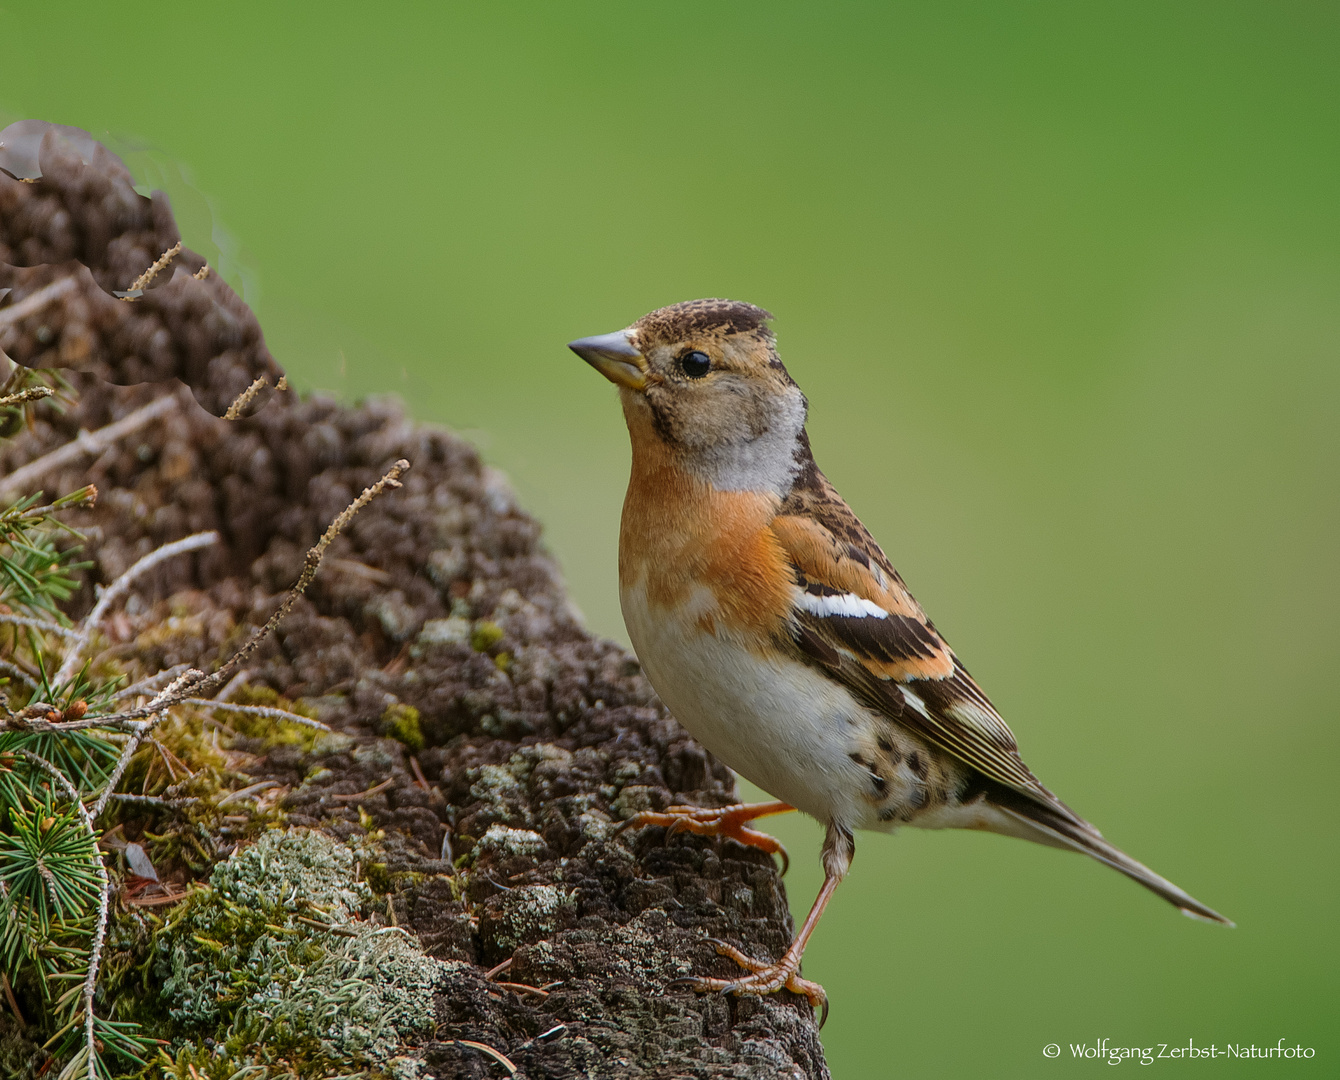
778 723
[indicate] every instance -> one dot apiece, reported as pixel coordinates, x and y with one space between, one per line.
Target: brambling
777 631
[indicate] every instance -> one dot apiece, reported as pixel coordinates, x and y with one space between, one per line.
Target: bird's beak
615 357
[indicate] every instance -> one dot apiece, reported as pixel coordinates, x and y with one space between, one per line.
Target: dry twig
311 564
150 682
145 279
138 736
13 1001
39 624
32 393
376 789
244 399
196 684
247 792
498 969
258 710
84 443
153 800
36 301
16 672
485 1048
119 587
246 396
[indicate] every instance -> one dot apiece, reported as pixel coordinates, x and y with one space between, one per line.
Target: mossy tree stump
439 642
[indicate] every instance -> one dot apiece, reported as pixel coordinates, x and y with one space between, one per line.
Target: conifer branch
104 901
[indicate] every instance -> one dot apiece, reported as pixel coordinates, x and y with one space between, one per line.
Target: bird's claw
728 821
765 977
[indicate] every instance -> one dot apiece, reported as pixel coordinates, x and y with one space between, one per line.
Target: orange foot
764 978
731 821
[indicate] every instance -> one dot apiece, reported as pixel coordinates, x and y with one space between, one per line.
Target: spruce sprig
69 728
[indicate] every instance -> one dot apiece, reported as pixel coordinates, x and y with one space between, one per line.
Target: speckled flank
908 778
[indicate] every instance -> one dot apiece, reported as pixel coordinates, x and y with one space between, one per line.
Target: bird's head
703 379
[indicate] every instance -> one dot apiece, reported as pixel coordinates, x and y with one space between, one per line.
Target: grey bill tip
615 346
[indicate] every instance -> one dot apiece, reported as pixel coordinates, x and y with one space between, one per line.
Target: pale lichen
526 913
511 842
273 955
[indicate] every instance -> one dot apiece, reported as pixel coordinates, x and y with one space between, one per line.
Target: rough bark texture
538 737
69 209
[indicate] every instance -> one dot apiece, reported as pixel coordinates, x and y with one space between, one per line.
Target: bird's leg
731 821
768 978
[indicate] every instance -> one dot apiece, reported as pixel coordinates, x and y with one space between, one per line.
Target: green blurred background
1062 282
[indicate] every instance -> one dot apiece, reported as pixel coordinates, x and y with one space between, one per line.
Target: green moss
271 963
485 635
401 722
378 878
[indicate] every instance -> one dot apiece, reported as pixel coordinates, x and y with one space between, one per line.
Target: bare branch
32 393
119 587
193 683
153 800
143 281
247 792
84 443
258 710
36 301
150 682
248 395
40 624
311 564
244 399
6 668
13 1001
485 1048
159 705
60 727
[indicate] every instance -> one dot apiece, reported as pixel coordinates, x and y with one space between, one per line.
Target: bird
777 631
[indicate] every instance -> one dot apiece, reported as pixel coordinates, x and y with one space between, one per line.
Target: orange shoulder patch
822 557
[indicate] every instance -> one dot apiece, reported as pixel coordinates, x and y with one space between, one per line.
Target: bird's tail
1058 826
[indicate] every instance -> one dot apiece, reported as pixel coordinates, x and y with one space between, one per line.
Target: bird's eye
695 364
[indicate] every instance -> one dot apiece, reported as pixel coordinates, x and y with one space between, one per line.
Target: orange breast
679 536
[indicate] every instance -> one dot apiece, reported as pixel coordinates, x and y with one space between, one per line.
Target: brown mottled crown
679 321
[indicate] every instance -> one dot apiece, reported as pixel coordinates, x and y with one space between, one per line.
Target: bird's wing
854 618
